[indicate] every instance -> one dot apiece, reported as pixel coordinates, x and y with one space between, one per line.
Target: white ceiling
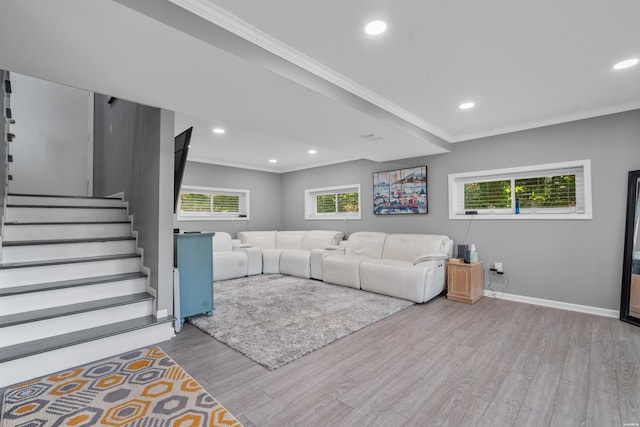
525 64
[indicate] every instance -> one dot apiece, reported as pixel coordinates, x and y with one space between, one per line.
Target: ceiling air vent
371 137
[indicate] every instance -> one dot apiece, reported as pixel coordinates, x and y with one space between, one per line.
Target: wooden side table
465 282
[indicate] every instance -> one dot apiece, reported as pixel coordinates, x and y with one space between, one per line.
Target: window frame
310 207
213 216
456 183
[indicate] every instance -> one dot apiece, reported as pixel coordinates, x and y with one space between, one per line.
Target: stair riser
61 325
65 231
36 214
67 250
54 273
20 370
62 201
57 297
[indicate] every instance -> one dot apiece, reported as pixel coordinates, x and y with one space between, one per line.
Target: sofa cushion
320 239
289 239
295 263
409 247
260 239
342 270
366 244
392 277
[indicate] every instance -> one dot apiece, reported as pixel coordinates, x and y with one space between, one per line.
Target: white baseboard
605 312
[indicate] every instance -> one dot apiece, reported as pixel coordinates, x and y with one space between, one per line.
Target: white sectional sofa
409 266
289 252
232 260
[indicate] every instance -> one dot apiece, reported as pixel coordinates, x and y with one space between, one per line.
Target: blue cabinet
193 257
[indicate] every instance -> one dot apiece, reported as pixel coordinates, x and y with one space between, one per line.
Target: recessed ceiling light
467 105
375 28
312 151
625 64
273 161
219 131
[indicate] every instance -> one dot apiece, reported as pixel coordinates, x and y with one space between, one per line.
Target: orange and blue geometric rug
142 388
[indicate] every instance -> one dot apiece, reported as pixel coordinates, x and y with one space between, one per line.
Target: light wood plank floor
495 363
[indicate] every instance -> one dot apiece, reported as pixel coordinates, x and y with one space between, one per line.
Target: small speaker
461 250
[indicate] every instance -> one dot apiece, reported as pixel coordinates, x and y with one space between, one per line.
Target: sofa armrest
430 257
317 258
342 246
254 258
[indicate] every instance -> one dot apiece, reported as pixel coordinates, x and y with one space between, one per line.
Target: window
333 202
551 191
203 203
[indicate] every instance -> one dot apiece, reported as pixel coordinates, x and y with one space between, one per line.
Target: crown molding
271 170
621 108
234 24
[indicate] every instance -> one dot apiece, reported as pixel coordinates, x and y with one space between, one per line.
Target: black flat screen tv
180 161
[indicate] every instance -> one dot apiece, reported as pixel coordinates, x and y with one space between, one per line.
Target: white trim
266 169
546 122
228 21
310 207
119 195
521 169
585 164
605 312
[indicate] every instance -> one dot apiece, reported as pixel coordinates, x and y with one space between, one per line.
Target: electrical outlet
499 267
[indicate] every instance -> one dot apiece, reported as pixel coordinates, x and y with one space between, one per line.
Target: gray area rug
274 319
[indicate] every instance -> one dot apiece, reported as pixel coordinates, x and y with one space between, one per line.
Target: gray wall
577 262
52 136
265 200
133 153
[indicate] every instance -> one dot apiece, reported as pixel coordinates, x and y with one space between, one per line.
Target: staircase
72 288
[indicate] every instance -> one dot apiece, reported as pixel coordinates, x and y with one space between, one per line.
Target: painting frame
400 191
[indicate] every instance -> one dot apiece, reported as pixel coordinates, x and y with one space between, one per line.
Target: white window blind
342 202
203 203
551 191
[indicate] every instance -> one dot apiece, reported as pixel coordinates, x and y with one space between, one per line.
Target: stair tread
64 241
41 287
31 348
64 223
62 196
66 310
66 261
64 207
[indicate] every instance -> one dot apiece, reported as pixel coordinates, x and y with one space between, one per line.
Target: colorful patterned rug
142 388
